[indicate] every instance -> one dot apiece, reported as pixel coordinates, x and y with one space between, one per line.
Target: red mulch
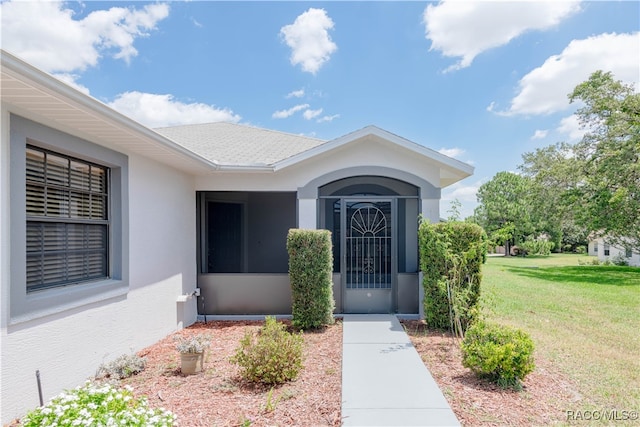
218 396
546 396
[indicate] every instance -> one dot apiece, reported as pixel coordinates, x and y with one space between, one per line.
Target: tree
610 191
503 210
555 173
454 210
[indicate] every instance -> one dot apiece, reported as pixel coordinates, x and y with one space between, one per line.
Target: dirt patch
544 400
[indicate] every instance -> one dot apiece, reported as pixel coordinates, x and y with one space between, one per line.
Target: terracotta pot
191 363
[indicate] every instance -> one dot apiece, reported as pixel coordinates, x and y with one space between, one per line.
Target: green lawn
584 319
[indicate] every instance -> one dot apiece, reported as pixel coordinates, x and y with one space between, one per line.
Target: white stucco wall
68 346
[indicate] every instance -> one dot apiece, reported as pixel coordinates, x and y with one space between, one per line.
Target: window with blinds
67 220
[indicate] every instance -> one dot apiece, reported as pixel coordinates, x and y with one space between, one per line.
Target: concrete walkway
384 382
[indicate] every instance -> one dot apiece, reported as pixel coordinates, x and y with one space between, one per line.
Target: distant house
605 252
109 228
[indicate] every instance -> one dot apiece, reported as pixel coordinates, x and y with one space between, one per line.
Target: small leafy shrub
499 353
272 356
310 271
620 260
537 247
98 405
192 344
581 249
123 367
589 261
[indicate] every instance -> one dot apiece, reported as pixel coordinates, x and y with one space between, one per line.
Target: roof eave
84 104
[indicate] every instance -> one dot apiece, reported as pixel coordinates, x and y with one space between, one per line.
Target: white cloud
295 94
540 134
310 114
544 90
331 118
283 114
309 40
465 193
452 152
466 29
154 110
570 126
45 34
70 79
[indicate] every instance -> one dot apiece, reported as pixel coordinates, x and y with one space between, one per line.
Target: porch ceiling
37 95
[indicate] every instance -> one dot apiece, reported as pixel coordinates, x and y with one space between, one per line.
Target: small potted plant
191 349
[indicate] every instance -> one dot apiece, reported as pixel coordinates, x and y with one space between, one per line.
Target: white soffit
32 93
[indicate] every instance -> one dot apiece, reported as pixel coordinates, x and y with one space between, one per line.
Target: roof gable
451 170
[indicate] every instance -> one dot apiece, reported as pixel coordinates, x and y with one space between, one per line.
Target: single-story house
110 230
599 247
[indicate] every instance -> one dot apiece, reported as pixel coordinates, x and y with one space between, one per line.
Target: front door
368 256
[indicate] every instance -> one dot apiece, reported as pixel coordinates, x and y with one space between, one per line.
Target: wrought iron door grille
369 248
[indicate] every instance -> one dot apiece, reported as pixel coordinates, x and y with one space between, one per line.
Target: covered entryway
374 225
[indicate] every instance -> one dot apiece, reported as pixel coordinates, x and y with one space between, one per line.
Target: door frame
393 303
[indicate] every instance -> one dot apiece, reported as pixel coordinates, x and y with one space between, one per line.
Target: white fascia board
245 168
49 85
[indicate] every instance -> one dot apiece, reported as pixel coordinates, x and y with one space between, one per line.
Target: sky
483 82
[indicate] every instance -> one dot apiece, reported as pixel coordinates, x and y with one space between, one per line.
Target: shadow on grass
592 275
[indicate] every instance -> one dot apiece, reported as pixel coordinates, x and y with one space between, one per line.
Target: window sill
47 303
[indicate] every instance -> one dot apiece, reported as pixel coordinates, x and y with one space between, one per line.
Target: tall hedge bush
310 271
451 254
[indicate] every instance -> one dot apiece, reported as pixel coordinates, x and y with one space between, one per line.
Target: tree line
566 193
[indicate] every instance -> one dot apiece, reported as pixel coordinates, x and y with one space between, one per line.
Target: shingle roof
238 145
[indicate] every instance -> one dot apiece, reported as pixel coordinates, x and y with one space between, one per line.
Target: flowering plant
98 405
192 344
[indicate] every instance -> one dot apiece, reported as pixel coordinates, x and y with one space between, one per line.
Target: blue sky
481 81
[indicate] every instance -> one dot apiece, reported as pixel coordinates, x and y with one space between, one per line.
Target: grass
584 319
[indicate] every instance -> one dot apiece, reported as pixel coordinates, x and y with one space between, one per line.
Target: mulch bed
546 396
218 396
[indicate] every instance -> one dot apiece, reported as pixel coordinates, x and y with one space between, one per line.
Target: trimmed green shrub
499 353
310 271
451 254
272 356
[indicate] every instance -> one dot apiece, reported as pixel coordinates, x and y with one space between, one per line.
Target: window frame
25 306
55 197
